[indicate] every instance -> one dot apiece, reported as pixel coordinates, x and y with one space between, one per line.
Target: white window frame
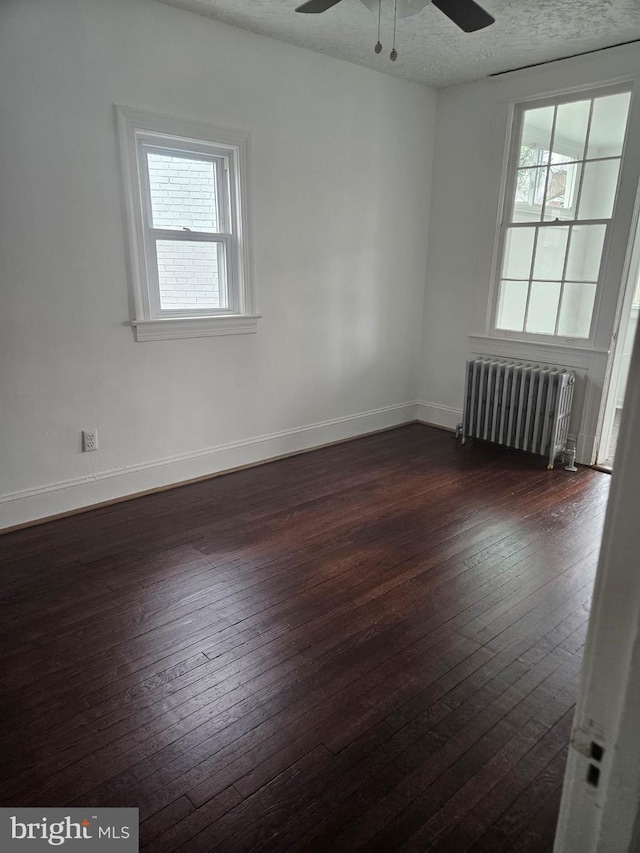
229 151
511 161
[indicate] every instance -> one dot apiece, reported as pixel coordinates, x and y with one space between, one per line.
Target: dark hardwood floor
372 646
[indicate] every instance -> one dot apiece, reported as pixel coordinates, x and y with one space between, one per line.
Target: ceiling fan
466 14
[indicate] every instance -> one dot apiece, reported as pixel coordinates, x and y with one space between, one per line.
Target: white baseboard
30 505
437 415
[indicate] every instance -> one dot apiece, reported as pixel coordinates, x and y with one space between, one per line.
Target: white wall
472 127
341 185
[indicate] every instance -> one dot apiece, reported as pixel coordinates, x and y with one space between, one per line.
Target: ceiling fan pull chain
394 53
378 47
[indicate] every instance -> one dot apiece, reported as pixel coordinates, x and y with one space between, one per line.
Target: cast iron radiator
520 405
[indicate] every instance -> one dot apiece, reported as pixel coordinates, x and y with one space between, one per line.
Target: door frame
623 311
603 813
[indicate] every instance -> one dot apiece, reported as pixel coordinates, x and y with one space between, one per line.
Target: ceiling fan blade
314 7
465 13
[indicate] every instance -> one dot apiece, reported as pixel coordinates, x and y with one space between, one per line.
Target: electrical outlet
89 439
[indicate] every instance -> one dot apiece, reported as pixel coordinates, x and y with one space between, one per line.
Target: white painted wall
472 127
341 186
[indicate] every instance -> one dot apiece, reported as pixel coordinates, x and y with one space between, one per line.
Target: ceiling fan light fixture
406 8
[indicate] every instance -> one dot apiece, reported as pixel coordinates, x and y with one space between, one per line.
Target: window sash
224 167
225 272
561 280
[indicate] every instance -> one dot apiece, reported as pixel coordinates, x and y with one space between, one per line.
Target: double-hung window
187 204
562 183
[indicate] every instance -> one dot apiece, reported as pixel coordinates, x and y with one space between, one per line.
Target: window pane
191 275
183 193
512 304
576 310
585 252
562 190
536 136
518 252
571 130
543 307
608 125
550 253
528 195
598 189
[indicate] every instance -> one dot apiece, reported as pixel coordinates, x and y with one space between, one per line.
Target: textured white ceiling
431 49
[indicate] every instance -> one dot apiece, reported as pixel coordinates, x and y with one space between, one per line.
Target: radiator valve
570 453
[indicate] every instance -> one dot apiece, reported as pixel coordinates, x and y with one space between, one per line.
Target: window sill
547 352
168 328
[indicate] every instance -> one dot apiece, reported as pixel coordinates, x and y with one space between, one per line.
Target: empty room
318 401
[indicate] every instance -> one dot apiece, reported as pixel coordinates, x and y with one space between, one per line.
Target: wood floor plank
380 796
501 830
371 646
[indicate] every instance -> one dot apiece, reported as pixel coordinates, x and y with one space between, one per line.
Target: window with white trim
187 205
561 190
